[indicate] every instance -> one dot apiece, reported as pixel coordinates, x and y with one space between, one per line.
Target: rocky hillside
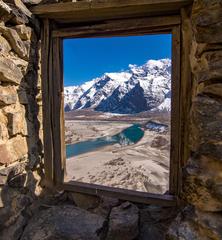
141 88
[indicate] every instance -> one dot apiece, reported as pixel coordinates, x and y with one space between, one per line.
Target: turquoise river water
128 136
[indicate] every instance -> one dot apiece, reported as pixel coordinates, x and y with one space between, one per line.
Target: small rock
123 222
158 142
64 222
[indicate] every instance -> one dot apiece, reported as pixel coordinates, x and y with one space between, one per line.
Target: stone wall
20 116
202 177
27 213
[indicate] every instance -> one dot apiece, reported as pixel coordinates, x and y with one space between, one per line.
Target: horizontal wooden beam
124 194
112 9
126 27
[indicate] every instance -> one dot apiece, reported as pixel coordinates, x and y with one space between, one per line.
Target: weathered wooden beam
112 9
124 194
175 113
58 129
120 27
47 98
186 81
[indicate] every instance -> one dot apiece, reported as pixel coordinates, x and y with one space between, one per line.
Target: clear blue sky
88 58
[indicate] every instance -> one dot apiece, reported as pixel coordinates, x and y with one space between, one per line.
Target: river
128 136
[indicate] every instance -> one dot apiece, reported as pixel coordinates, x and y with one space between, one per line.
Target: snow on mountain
164 106
141 88
73 93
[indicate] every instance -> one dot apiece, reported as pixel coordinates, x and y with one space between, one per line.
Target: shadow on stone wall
21 150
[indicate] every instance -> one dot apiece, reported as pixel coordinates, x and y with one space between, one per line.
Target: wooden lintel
112 9
120 27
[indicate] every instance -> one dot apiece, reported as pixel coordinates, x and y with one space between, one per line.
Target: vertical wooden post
186 82
46 60
175 115
58 112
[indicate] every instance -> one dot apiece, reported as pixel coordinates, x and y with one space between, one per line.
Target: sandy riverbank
143 166
76 131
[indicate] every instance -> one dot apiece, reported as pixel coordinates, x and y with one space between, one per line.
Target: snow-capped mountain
141 88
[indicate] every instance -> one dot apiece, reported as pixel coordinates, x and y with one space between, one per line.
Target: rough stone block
6 156
194 224
154 221
203 4
8 95
15 41
18 181
85 201
105 206
17 123
5 11
9 72
32 2
12 171
3 132
14 203
21 6
64 222
206 127
17 16
207 21
13 150
21 64
23 96
3 180
206 66
1 199
4 45
212 90
202 183
24 32
14 231
123 222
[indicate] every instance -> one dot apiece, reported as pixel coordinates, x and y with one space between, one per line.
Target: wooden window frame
54 30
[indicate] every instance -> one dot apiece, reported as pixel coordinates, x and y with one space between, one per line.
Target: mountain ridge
141 88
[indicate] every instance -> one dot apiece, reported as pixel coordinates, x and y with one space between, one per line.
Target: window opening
117 104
